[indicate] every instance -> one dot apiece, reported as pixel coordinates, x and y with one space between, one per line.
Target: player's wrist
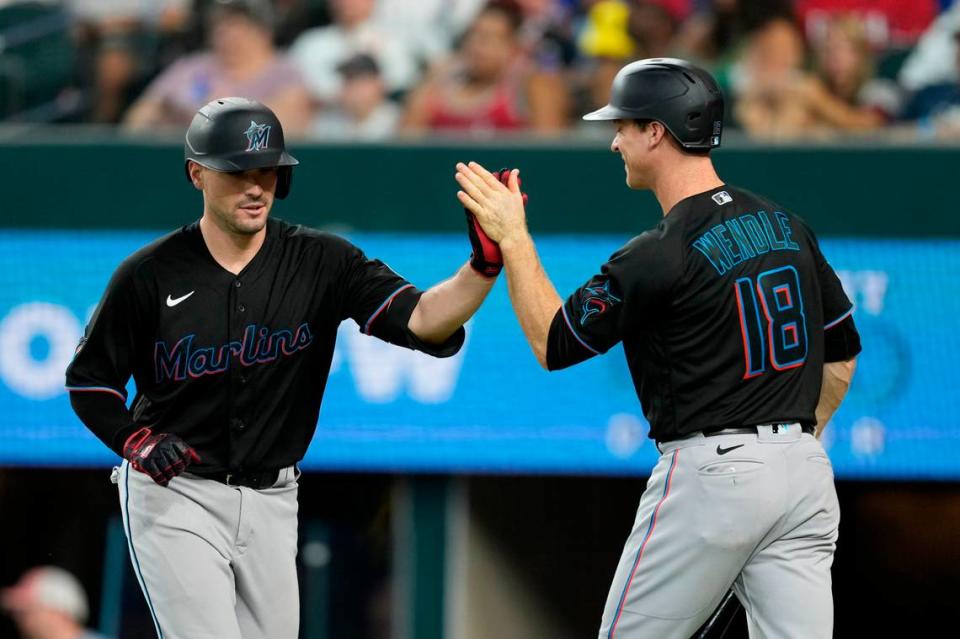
484 275
485 270
514 242
134 442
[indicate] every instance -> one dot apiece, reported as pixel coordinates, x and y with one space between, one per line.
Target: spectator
490 86
48 603
241 61
654 28
293 17
428 28
936 108
606 33
120 39
289 18
363 111
765 79
845 68
715 36
547 34
605 45
317 52
784 102
887 23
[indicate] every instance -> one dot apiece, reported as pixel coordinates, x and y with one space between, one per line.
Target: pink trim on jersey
97 389
786 290
653 524
386 303
574 333
839 319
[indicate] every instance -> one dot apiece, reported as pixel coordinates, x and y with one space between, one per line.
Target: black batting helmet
681 96
238 134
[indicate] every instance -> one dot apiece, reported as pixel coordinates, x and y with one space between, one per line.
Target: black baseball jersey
721 309
236 364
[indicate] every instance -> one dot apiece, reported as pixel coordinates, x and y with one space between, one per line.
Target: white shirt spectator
317 53
932 60
428 27
337 125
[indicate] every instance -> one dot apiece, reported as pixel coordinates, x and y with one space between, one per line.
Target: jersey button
238 424
243 379
241 308
237 283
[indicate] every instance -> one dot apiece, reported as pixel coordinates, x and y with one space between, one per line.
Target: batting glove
161 455
486 258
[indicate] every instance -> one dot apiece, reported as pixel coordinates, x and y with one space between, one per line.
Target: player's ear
657 133
196 175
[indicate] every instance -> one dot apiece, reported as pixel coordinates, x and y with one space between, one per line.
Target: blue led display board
491 408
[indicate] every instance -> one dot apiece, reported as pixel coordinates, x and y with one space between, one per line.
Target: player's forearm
534 299
105 415
444 308
836 381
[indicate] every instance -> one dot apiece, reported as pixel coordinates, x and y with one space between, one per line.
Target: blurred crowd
377 69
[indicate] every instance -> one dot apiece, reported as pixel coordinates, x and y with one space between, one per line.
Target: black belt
751 430
742 430
249 479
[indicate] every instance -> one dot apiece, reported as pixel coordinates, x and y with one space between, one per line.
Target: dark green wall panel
893 191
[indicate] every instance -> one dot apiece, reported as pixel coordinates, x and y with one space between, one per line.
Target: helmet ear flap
284 181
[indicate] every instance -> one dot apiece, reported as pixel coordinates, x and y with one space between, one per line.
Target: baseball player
741 344
228 327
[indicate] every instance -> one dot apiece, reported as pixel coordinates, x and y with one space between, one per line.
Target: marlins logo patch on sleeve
596 300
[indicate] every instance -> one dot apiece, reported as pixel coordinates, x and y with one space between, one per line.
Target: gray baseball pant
214 561
761 517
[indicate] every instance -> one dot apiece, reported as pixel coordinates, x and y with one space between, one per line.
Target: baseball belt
249 479
751 430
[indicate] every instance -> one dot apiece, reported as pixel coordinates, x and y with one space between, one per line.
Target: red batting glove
486 258
161 455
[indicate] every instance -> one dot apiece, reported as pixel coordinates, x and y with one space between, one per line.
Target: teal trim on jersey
133 553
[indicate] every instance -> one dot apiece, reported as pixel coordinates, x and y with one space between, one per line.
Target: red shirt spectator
490 85
889 22
500 111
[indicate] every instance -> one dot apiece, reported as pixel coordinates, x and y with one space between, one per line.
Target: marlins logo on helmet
258 136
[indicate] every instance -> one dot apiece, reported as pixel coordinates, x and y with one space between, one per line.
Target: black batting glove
161 455
486 258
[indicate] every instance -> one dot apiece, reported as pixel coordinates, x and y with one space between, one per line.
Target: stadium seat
36 55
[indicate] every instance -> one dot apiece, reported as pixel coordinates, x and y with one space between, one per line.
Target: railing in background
36 63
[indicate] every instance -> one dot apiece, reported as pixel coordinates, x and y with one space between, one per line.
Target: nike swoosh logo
173 302
724 451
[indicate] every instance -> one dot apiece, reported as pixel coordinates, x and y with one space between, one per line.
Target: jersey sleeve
380 301
104 360
841 339
836 305
593 318
841 342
